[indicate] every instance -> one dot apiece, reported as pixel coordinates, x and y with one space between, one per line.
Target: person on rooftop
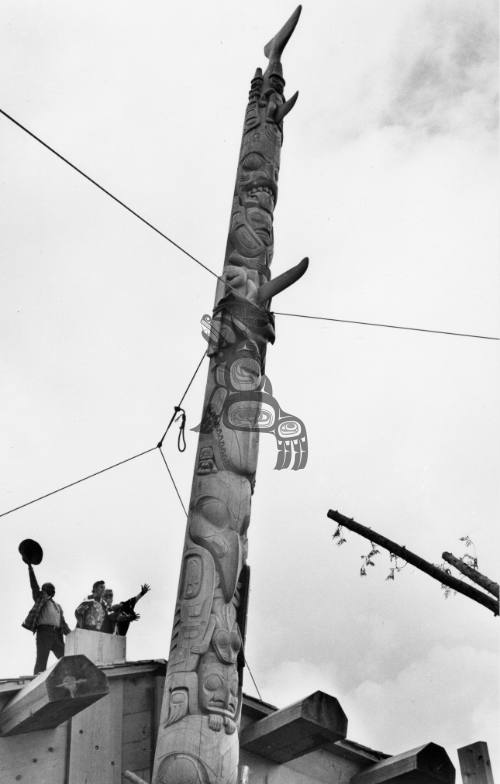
91 613
119 616
46 620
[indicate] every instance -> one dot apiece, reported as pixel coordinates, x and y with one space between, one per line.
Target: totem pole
198 739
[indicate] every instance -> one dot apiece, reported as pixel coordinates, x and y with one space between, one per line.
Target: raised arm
128 606
35 588
144 589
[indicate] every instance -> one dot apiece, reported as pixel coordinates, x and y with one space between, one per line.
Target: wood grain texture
475 765
96 741
99 647
296 730
428 764
37 758
54 696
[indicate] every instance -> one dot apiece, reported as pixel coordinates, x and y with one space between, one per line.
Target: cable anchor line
77 482
387 326
178 411
108 193
178 408
172 479
207 268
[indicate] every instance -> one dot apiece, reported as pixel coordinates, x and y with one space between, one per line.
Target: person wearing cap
91 613
46 620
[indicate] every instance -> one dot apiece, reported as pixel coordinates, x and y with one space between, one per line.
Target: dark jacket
40 599
119 614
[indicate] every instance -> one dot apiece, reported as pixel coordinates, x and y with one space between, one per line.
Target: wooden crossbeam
54 696
429 763
297 730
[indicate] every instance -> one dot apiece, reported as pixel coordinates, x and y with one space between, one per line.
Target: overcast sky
389 184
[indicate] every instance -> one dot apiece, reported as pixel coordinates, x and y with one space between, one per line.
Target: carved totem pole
198 738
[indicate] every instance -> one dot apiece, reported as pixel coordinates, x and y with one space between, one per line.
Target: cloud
423 67
293 680
444 75
439 697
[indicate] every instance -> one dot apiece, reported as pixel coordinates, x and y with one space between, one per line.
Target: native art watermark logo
243 400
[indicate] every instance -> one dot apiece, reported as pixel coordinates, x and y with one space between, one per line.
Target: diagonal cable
387 326
111 195
245 661
78 481
115 465
172 478
208 269
178 406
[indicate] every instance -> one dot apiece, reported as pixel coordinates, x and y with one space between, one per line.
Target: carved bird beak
281 282
282 111
274 49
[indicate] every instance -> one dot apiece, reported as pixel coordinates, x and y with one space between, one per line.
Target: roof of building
253 707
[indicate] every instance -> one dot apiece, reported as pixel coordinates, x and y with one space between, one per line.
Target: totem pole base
208 755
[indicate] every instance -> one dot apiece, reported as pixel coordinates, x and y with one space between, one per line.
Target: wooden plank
297 730
137 726
37 759
96 741
138 694
475 765
134 669
10 687
136 755
429 763
100 648
54 696
158 699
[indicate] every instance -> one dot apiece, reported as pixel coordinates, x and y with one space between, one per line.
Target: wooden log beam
429 763
297 730
475 765
431 569
54 696
473 574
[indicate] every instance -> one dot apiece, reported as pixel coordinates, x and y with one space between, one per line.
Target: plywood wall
115 734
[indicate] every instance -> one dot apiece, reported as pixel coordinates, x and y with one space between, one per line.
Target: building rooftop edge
253 706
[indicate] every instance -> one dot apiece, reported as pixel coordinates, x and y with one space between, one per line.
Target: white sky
389 185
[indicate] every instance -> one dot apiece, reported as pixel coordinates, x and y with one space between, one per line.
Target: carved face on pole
218 691
256 191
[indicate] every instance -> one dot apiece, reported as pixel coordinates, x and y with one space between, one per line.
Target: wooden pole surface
431 569
198 733
472 574
475 765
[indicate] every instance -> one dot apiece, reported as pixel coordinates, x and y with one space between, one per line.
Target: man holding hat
46 618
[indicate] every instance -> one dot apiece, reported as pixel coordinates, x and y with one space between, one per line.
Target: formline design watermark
243 399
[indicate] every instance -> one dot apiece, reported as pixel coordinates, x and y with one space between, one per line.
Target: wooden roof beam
297 730
54 696
428 764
